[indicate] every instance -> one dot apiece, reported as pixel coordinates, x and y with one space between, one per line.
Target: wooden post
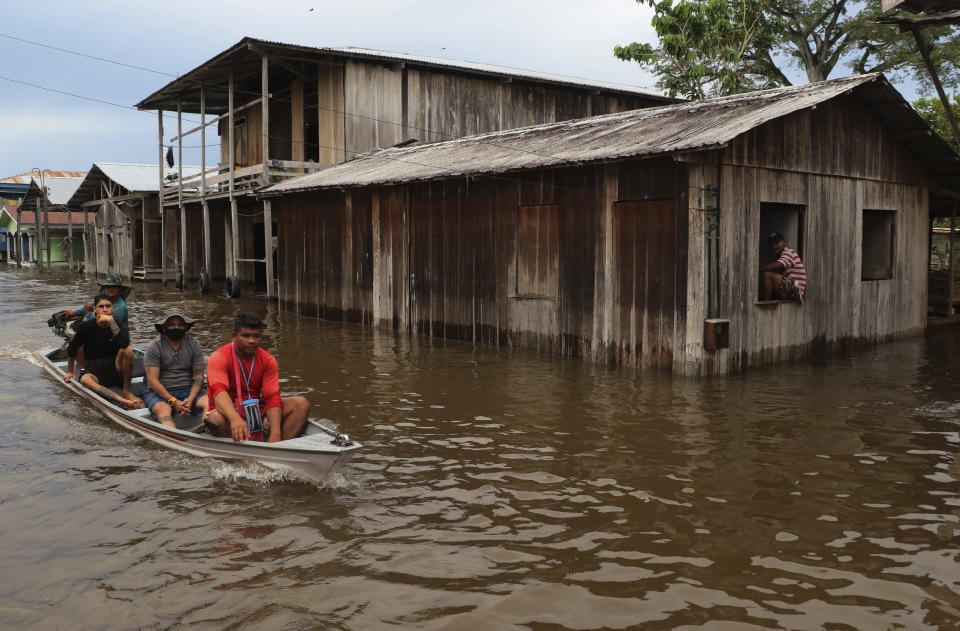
145 250
267 220
163 223
19 239
297 148
86 250
69 243
46 223
265 109
37 240
268 244
183 210
953 227
203 182
234 232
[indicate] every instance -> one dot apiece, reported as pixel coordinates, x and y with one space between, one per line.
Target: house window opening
784 219
877 246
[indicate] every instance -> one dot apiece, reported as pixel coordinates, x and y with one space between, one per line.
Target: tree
931 110
707 48
815 36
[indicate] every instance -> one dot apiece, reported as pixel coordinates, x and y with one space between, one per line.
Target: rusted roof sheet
185 89
645 132
29 176
134 178
57 217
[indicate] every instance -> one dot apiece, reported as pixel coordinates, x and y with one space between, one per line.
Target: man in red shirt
243 380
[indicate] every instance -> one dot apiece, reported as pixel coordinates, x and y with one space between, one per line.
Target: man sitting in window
785 278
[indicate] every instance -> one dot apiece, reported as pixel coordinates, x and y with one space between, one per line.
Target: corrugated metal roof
59 190
645 132
186 87
135 178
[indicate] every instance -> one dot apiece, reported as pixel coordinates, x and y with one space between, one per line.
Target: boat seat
189 423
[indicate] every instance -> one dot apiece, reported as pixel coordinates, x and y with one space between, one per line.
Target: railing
244 179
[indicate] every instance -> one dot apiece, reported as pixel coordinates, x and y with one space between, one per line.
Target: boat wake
19 353
265 476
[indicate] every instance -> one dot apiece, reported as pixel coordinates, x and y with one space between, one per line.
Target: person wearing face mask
174 366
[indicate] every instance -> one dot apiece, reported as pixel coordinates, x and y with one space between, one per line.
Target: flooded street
496 490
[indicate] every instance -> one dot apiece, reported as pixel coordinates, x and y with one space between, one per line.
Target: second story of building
295 109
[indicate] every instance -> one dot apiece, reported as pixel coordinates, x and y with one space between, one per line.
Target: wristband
172 400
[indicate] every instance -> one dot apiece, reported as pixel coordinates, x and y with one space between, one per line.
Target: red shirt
264 377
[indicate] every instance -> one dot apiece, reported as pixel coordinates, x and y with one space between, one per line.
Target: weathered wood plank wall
326 255
834 162
109 240
444 259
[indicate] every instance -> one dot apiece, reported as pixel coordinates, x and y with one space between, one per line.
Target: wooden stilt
163 224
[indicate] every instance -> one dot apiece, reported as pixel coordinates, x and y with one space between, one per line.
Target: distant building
122 226
29 197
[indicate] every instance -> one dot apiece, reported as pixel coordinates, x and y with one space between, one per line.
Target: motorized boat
313 455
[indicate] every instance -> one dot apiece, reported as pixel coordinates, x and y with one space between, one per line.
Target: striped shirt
794 269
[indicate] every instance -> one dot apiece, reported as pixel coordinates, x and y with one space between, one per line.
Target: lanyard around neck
246 377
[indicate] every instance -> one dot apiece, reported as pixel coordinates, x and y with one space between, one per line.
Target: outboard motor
62 327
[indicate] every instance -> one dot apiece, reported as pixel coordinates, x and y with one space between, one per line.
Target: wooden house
634 237
43 222
44 190
122 226
281 110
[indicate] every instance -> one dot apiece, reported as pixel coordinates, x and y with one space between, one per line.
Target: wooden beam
265 111
163 224
203 183
268 244
183 211
231 151
297 147
217 119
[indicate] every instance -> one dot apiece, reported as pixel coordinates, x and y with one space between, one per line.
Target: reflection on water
496 490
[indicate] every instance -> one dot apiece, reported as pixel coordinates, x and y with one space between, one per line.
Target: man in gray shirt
174 365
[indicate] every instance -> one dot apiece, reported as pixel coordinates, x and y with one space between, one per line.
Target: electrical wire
430 132
73 52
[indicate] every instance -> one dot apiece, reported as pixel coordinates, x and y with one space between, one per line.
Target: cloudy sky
54 129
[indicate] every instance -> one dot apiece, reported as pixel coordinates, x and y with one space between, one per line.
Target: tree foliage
931 110
716 47
707 48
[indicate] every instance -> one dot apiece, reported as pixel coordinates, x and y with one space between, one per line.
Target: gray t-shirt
177 367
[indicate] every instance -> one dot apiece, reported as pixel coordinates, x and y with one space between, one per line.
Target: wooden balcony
215 183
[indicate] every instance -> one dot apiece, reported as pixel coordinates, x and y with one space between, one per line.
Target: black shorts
105 370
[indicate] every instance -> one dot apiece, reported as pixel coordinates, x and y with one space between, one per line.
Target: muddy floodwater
496 490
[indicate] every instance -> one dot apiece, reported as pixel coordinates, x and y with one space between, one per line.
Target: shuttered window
537 261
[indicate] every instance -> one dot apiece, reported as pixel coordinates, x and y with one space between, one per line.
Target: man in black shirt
109 356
